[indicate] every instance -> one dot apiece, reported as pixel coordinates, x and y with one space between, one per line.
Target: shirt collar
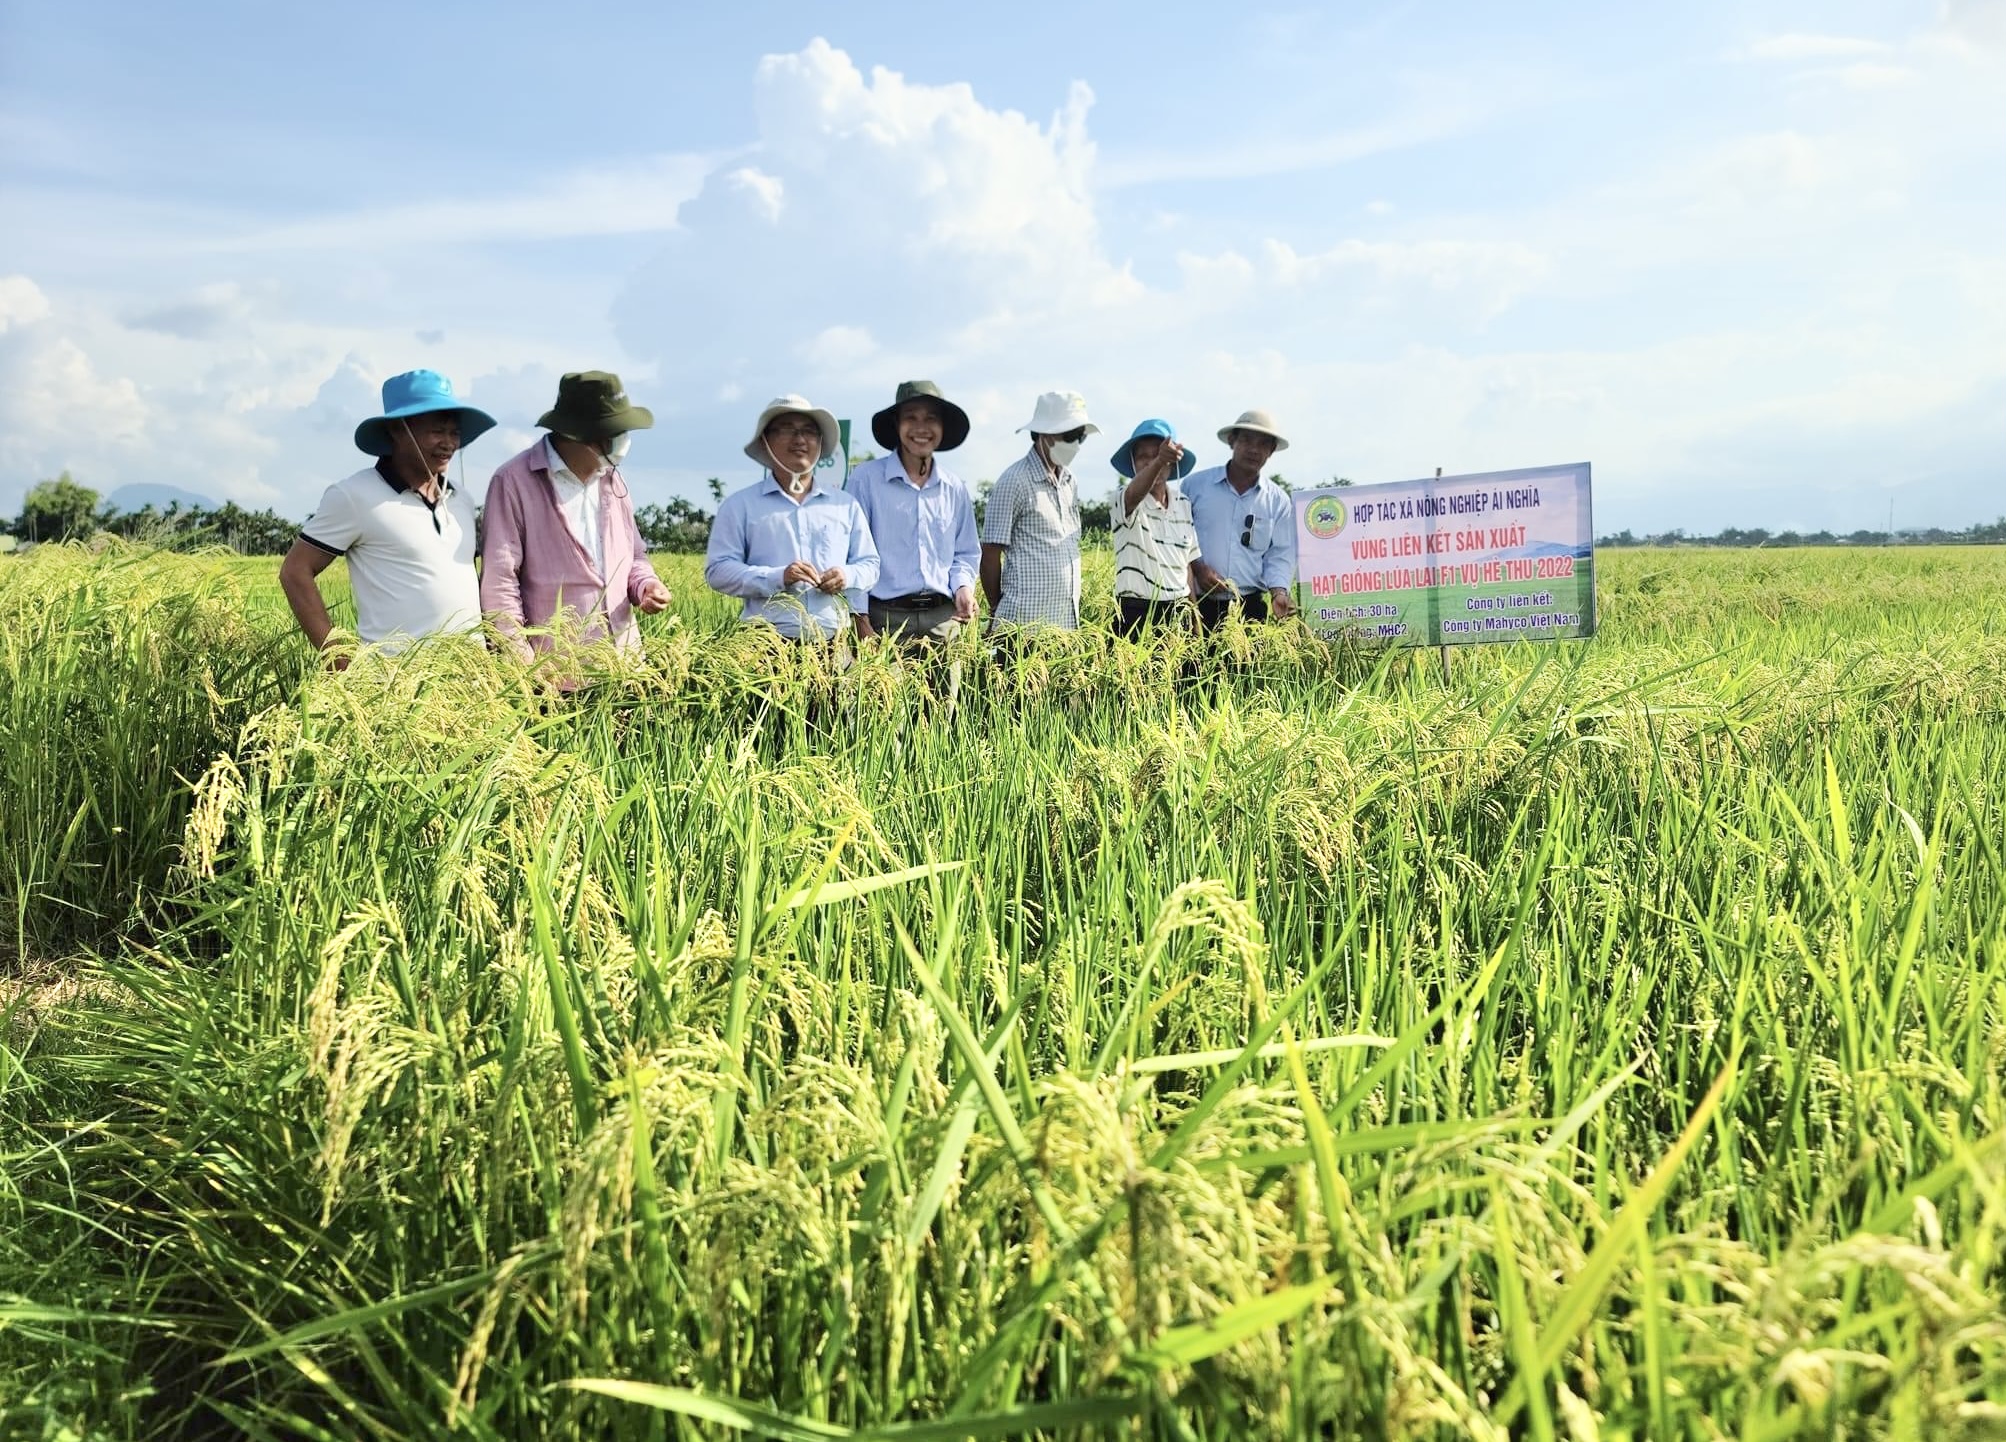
815 486
396 483
554 463
1044 472
899 473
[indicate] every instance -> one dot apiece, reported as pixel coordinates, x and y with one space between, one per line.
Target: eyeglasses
1075 436
797 432
1247 531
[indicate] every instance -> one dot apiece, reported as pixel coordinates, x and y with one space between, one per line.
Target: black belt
917 601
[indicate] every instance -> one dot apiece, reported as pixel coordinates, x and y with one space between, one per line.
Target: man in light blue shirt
1246 528
789 545
922 518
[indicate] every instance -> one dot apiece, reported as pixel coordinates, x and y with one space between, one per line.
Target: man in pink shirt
562 561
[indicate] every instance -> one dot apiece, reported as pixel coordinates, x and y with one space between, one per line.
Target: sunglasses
1074 436
1247 532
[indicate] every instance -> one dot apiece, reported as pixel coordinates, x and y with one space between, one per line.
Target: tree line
64 509
1981 533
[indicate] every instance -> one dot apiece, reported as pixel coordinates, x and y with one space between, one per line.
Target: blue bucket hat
1123 459
418 393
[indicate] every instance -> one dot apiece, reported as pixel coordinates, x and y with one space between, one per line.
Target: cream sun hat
832 435
1260 421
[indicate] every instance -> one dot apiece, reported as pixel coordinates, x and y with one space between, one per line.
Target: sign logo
1325 517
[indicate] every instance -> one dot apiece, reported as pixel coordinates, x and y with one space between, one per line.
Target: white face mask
1062 452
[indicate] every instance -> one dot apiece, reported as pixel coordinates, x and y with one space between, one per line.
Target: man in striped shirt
1155 542
1031 523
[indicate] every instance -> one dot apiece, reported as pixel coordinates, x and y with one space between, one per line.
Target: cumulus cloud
899 228
21 302
57 411
768 194
877 204
260 412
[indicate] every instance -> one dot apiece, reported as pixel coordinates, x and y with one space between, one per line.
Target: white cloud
839 346
1799 46
261 411
1496 272
1448 113
1982 22
21 302
57 411
1874 77
1709 197
210 310
970 248
631 198
1797 302
922 231
766 190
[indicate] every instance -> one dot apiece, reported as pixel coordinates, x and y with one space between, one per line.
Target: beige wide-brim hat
832 435
1261 421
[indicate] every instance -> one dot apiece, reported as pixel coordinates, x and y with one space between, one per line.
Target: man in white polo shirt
407 531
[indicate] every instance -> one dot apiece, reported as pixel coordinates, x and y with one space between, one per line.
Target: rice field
1268 1041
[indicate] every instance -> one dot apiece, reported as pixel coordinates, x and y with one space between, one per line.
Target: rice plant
1248 1040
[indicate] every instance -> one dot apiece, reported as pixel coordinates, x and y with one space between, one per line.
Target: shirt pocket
1262 535
770 540
828 529
1058 512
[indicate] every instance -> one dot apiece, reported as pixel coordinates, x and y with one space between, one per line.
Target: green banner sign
1452 561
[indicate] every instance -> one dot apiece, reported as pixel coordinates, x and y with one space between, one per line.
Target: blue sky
1744 258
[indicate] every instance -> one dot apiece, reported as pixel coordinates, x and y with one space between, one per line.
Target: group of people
895 552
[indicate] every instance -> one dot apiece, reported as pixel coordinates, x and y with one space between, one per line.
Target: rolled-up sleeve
727 569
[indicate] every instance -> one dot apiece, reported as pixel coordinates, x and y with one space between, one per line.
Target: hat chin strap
420 452
793 482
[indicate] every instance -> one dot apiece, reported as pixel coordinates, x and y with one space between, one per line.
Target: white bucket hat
1058 412
832 436
1260 421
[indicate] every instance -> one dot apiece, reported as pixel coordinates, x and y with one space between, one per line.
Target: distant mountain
136 497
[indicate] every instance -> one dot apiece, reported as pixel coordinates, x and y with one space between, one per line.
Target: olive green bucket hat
953 425
593 406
